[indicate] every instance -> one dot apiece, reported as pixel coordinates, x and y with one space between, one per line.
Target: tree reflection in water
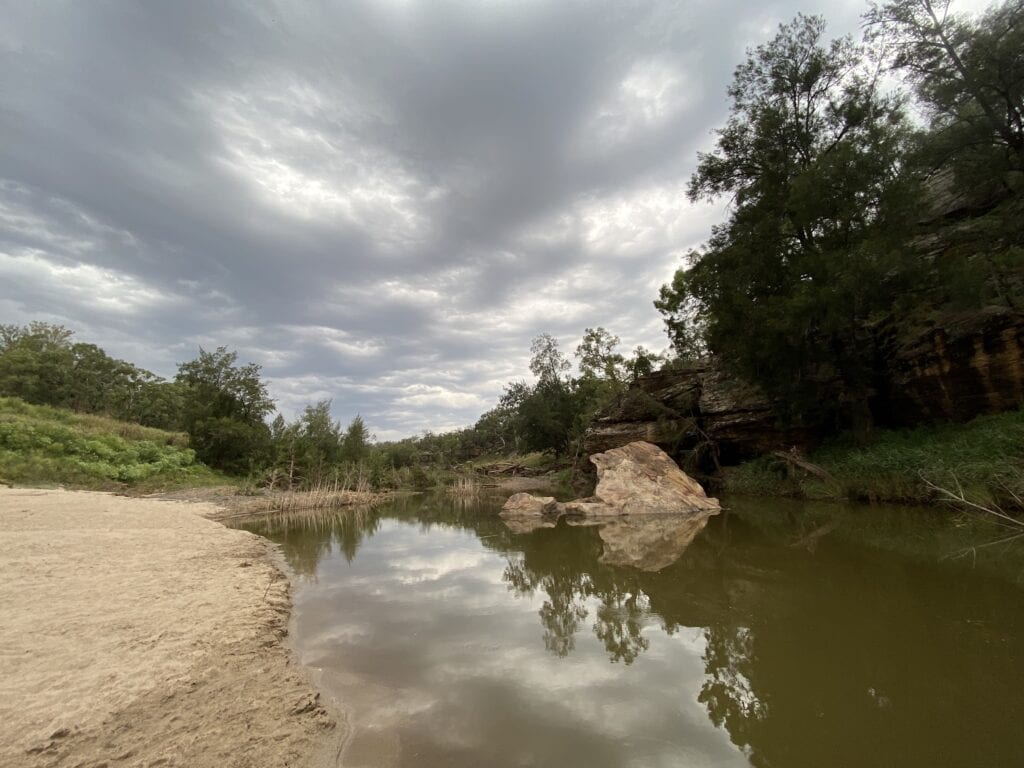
621 608
727 691
306 537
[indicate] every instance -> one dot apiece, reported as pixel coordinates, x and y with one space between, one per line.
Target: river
781 634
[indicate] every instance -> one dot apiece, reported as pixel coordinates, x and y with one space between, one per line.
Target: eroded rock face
955 368
689 409
971 364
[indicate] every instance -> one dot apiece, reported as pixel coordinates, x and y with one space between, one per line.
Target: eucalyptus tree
810 159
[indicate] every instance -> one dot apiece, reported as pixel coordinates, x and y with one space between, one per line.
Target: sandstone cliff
967 365
698 414
958 367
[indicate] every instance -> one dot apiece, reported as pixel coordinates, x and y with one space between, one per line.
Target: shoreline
144 632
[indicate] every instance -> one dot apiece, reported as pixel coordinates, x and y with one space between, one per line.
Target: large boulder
640 478
647 509
524 512
528 505
636 479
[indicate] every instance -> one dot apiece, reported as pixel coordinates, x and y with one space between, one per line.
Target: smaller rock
527 505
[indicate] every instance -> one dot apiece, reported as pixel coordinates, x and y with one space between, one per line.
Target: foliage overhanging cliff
855 234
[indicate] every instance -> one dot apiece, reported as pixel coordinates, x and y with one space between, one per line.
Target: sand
136 632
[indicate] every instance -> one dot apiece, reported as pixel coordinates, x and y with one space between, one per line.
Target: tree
509 411
155 402
547 410
356 443
548 417
319 438
547 363
597 355
969 75
643 362
225 407
810 158
36 363
682 313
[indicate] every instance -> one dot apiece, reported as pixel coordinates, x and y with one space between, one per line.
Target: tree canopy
42 364
968 74
224 410
810 158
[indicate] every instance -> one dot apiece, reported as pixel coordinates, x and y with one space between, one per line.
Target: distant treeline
549 414
225 409
857 212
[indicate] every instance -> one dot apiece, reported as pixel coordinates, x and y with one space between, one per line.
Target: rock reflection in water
528 524
649 543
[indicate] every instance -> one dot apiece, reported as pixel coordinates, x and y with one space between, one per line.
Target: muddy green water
781 635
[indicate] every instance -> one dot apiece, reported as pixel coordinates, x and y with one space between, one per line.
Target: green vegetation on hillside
984 458
41 445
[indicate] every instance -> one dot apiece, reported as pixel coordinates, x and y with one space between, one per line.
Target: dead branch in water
959 498
794 458
810 541
1001 518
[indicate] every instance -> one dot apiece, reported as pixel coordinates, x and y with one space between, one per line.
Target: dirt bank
135 632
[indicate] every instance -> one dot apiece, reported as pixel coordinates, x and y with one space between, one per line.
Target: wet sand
136 632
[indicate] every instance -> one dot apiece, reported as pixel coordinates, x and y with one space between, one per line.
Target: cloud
380 202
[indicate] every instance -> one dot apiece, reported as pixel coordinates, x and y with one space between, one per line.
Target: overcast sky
378 202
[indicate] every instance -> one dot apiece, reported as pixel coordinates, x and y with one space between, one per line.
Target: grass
984 457
40 445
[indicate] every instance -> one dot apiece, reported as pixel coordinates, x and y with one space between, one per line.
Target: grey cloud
365 197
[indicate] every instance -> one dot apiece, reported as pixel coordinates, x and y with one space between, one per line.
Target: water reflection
649 542
551 565
729 645
306 537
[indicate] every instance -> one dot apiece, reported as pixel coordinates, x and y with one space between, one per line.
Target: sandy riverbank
136 632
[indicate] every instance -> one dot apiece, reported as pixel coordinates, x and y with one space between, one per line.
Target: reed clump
342 490
464 486
308 519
